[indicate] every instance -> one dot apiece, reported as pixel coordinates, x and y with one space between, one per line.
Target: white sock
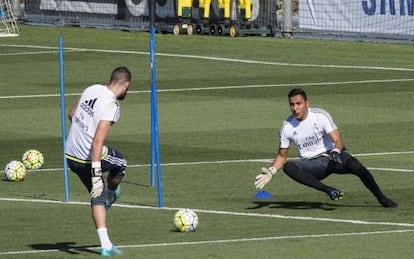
104 238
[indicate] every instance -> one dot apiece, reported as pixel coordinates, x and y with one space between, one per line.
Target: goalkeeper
92 116
321 152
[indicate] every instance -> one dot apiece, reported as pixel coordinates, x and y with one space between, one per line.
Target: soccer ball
15 171
185 220
33 159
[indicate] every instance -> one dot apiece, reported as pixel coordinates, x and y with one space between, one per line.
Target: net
8 22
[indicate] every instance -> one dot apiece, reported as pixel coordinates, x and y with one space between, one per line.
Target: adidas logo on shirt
87 106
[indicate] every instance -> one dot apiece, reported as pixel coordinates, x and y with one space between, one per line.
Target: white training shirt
96 103
310 135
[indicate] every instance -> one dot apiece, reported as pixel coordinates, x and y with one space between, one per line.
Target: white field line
348 221
212 58
272 238
33 53
224 88
208 58
264 160
391 169
238 240
244 214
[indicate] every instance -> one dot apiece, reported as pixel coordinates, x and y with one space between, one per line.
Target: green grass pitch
220 104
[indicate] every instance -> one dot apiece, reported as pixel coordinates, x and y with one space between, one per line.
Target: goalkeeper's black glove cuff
96 169
335 155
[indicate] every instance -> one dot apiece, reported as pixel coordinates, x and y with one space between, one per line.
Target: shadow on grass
300 205
67 247
136 184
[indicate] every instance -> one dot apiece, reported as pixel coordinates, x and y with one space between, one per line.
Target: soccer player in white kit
321 152
91 116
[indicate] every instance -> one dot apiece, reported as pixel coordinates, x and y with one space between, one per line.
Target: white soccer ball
185 220
33 159
15 171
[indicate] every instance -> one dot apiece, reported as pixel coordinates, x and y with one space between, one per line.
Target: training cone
262 195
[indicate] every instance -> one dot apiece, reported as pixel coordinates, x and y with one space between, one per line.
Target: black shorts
321 167
113 162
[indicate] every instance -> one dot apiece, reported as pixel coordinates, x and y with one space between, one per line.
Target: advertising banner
363 16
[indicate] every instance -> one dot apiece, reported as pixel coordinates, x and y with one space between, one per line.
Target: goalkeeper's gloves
265 177
335 155
97 180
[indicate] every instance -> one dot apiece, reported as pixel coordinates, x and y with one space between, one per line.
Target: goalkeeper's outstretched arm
280 159
267 173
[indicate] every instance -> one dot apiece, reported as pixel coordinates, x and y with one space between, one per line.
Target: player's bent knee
120 175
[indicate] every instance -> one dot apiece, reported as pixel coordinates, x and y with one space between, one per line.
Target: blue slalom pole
152 158
63 119
155 147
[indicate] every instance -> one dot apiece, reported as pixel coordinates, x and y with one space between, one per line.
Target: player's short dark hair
120 74
298 91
